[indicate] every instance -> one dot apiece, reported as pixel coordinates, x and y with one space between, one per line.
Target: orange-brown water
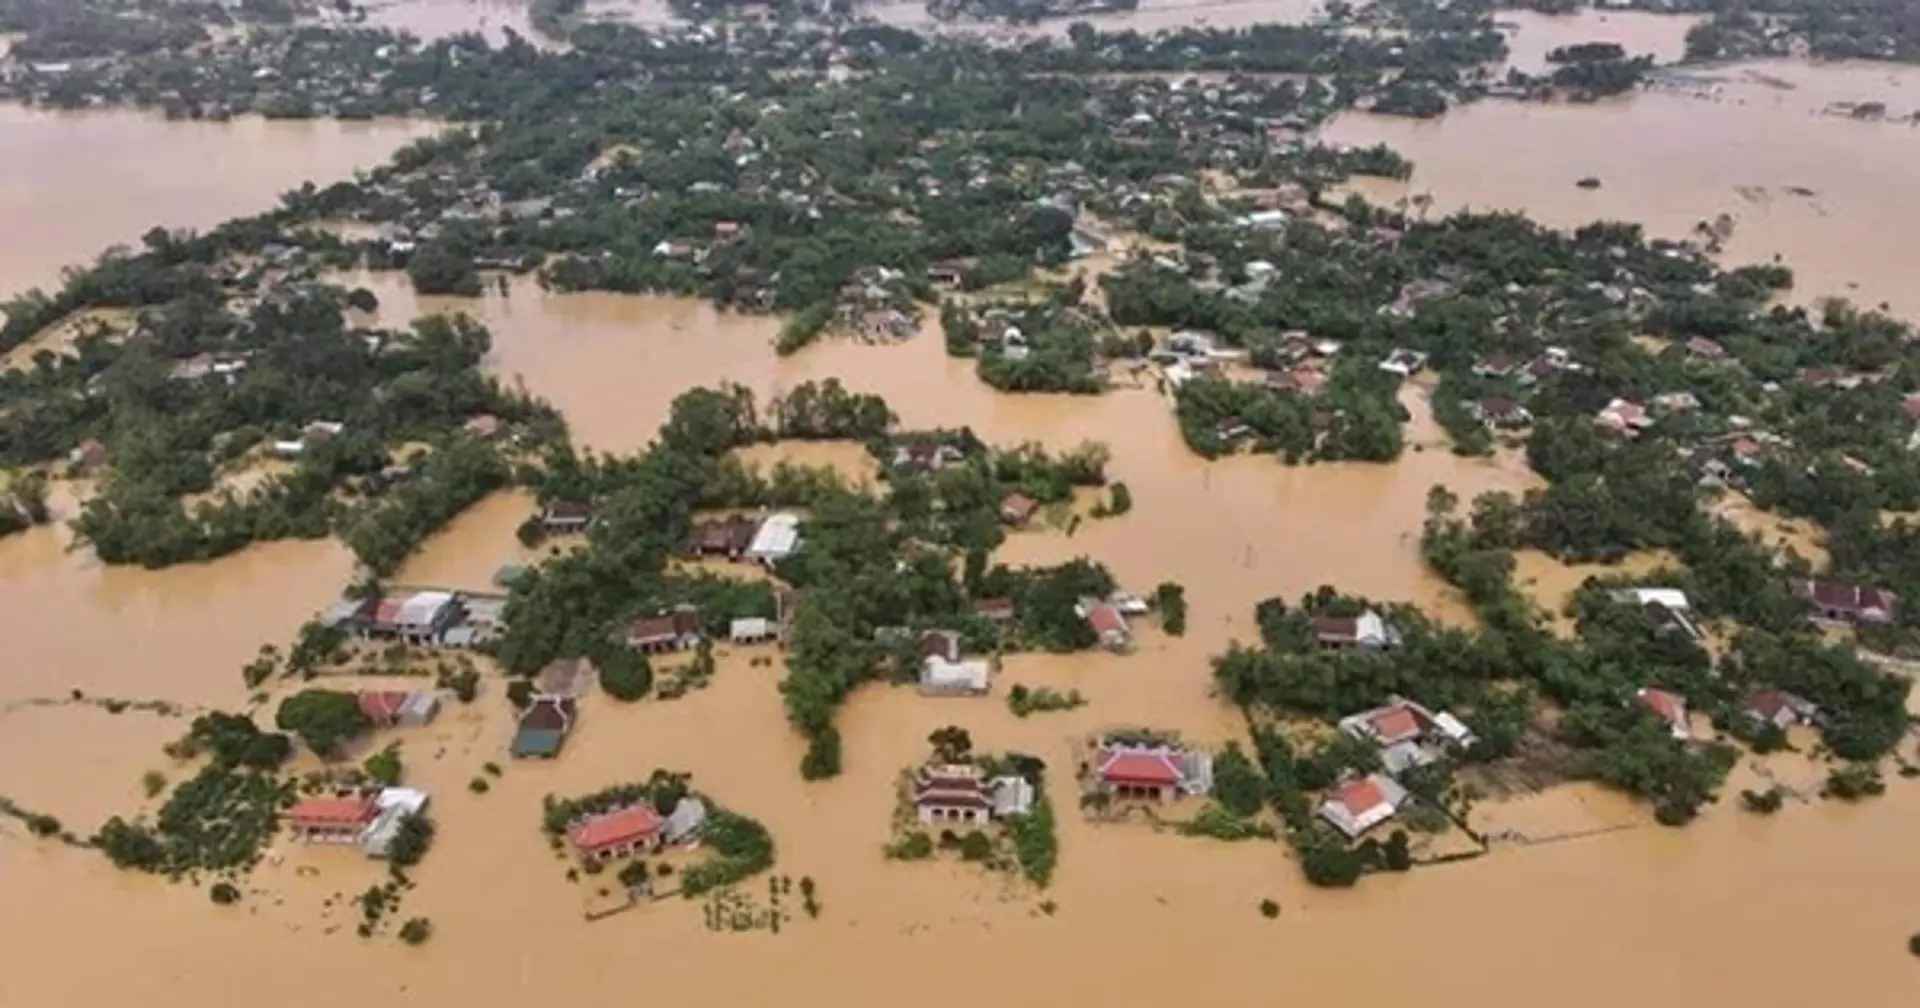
75 183
1671 159
1802 907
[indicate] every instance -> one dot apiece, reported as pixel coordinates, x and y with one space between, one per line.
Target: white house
775 539
1362 803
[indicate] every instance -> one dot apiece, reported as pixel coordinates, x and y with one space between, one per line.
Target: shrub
42 825
976 846
479 785
633 874
153 782
809 899
1764 802
1854 782
1269 909
224 893
625 674
915 846
384 767
416 931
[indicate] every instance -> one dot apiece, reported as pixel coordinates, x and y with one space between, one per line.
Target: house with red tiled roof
1842 602
634 829
1780 709
998 610
332 820
952 793
1367 630
1017 508
678 630
727 537
1357 805
1408 733
1154 772
1625 418
1107 622
386 708
1669 707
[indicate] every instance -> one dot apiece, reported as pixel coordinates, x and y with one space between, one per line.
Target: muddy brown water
76 183
1830 195
1815 902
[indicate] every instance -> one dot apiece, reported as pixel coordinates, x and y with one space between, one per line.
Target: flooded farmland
1631 914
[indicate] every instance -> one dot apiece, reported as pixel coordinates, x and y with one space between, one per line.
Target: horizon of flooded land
1579 885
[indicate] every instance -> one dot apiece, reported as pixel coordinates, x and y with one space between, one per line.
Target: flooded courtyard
1143 916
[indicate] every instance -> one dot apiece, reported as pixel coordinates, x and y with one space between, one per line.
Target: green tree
385 767
1238 785
625 674
324 719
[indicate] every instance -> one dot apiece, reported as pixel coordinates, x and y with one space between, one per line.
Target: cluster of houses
370 821
424 617
768 539
1408 735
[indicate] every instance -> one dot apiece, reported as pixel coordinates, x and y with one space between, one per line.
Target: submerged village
1660 564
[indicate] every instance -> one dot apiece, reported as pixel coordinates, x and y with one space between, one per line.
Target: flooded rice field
1736 909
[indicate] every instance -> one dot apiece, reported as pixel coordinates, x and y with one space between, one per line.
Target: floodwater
1832 196
76 183
1140 916
1150 16
1531 36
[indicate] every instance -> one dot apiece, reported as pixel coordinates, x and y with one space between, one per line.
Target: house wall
943 814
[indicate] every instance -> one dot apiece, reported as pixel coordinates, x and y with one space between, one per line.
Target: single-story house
752 630
941 677
609 835
1154 772
727 537
998 610
1367 630
1666 608
397 805
565 678
950 273
1012 796
1840 602
484 426
1500 411
1668 706
1780 709
1706 349
1408 733
953 793
1624 418
683 824
332 820
776 538
678 630
399 707
1404 362
1017 508
1107 623
566 517
419 617
544 726
925 456
1360 804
